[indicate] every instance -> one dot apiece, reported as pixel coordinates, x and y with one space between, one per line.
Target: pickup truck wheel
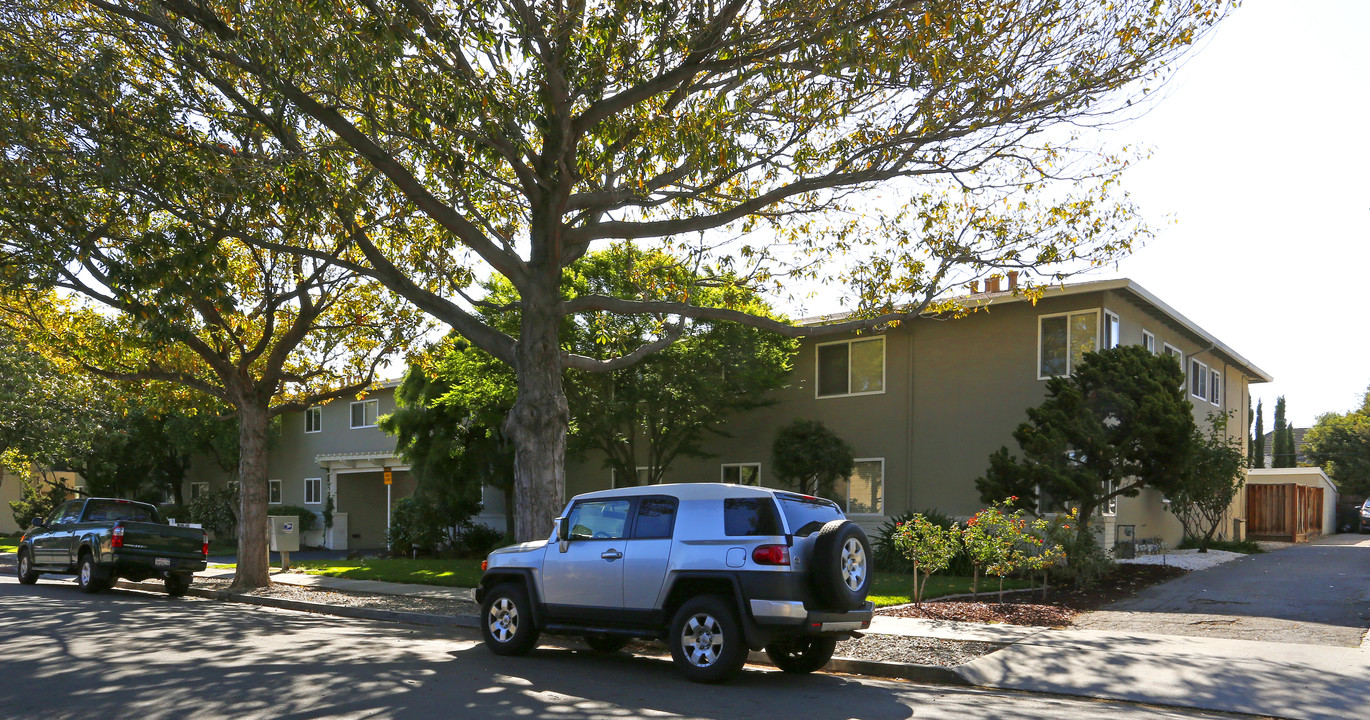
88 576
801 654
706 640
177 583
507 621
606 643
27 575
841 567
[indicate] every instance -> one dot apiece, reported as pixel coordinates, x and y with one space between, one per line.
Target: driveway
1315 593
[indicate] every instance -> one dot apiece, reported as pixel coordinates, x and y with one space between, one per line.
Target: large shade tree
1340 442
746 133
124 247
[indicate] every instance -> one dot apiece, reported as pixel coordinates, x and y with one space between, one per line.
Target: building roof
1123 285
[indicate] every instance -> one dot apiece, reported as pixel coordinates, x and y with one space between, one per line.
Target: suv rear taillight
771 555
116 536
204 537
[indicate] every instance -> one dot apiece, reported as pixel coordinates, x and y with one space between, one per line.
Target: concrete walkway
360 586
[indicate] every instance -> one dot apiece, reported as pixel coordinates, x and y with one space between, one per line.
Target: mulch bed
1026 608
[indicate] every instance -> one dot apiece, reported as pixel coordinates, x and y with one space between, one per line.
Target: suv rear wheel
507 621
841 567
706 640
801 654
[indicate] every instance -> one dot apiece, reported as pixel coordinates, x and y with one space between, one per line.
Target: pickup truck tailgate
142 538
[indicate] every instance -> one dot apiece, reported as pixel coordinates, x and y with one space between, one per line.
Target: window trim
309 480
1202 378
846 503
884 369
280 492
1098 335
316 412
723 469
1148 335
1215 384
1103 330
373 401
204 488
1179 355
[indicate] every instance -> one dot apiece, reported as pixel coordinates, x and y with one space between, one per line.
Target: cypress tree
1281 458
1258 447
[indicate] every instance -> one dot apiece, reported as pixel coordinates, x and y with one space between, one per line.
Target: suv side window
599 519
751 516
655 518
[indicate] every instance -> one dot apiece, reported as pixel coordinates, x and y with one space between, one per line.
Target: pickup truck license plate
162 562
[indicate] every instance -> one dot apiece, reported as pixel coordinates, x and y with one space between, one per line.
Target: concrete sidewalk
324 582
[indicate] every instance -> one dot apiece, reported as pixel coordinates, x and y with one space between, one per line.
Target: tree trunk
253 569
538 422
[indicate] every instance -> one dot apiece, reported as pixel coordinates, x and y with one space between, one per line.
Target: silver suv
711 569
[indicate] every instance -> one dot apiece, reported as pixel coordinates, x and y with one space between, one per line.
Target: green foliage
808 457
328 513
174 511
36 499
1215 476
929 547
886 552
216 511
476 540
1245 547
1258 437
415 526
1340 443
1086 563
1283 439
1120 422
308 520
993 538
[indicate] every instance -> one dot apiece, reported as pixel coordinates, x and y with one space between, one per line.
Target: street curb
402 616
929 674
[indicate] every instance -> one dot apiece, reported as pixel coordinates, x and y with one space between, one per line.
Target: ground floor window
742 473
618 480
198 489
864 491
273 492
313 491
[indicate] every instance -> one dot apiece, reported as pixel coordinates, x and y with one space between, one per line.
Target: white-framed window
850 367
1149 342
1174 352
313 491
273 492
1215 384
1111 506
741 473
364 413
1063 339
864 490
313 420
198 489
618 482
1198 379
1113 335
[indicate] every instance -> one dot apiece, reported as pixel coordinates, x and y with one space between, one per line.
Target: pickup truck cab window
110 510
600 520
71 512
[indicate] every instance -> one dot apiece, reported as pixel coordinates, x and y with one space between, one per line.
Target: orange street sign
388 477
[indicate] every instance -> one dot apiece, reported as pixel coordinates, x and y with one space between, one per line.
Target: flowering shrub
992 538
1043 544
928 546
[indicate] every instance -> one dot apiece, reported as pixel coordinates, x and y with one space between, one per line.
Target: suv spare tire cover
827 565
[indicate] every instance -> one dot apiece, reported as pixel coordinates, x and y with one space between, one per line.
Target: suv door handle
611 554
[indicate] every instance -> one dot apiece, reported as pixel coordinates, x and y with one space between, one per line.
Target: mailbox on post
285 537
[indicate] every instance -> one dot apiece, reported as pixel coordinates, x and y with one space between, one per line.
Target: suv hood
521 547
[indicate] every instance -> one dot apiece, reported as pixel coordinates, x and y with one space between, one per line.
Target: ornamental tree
1214 478
810 458
930 548
748 135
1340 442
1118 423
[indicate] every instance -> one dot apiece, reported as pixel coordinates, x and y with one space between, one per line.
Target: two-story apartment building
925 403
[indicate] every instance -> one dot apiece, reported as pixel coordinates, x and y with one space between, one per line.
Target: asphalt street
133 655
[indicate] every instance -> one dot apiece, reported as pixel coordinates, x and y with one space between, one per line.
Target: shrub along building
924 404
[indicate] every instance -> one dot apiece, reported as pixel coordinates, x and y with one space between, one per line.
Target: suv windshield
807 515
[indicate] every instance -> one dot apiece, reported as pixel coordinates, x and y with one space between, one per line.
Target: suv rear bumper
793 613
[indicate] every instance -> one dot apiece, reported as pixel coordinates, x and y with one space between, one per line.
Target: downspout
908 424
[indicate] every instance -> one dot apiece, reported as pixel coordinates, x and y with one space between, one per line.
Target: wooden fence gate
1289 512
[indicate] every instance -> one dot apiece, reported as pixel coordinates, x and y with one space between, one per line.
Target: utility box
285 533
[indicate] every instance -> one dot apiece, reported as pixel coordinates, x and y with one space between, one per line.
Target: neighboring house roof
1124 285
1298 446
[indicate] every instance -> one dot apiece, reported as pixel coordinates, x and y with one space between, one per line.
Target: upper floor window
851 367
618 480
1215 383
273 492
1112 334
1062 340
313 420
742 473
863 492
1172 351
1149 342
1198 379
364 413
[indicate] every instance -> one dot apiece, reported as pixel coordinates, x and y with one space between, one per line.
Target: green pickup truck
103 539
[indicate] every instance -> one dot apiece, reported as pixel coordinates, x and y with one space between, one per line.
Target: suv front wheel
706 640
507 621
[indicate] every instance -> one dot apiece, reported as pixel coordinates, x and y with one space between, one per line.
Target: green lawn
9 543
889 588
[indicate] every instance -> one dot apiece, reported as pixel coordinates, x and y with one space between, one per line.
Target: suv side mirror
563 532
38 523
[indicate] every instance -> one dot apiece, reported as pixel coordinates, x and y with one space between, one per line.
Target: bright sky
1262 156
